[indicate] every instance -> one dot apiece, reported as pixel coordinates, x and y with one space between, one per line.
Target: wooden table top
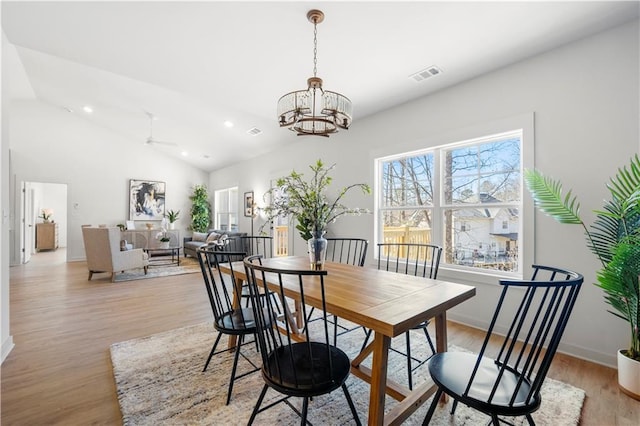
387 302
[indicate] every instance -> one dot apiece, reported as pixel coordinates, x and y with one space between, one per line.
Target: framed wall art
146 199
248 204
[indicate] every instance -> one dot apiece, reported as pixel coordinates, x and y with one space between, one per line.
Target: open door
27 217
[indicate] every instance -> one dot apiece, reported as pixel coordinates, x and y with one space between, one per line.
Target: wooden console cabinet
46 236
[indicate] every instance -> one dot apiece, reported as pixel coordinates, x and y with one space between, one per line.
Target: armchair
102 248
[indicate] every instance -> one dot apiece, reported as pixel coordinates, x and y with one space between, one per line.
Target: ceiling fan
150 140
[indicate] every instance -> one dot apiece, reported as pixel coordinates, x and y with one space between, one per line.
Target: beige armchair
102 248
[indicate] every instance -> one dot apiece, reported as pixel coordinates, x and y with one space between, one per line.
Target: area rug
159 381
188 265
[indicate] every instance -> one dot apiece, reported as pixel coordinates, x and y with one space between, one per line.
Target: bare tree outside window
480 186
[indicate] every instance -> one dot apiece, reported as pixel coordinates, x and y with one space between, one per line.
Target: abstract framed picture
146 199
248 204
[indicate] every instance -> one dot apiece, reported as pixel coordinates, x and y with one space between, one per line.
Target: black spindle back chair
509 383
302 369
352 251
420 260
227 319
258 244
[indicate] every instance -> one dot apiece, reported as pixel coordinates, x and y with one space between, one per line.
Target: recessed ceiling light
229 124
184 153
88 109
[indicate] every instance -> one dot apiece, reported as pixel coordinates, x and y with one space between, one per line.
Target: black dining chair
351 251
304 369
257 244
226 319
418 259
535 313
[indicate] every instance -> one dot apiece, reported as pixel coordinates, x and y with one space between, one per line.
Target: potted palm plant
308 203
614 237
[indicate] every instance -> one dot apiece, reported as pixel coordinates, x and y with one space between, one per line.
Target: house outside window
465 197
226 209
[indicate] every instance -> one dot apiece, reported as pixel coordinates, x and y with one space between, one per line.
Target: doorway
40 200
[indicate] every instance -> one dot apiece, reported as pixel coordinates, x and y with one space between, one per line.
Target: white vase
172 226
164 244
629 376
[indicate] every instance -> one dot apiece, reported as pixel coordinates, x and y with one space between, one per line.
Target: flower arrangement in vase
308 203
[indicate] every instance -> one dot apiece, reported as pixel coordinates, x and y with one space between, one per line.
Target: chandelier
314 111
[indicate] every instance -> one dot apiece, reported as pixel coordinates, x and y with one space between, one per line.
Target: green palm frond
547 195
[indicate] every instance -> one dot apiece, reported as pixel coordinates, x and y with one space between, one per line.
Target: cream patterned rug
188 265
159 381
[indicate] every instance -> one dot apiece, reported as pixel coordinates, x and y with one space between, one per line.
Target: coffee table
164 261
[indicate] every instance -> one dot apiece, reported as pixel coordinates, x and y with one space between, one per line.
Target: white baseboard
608 360
7 346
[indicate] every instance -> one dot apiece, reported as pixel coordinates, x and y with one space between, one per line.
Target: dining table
389 304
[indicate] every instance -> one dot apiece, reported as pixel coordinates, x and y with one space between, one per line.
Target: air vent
426 73
254 131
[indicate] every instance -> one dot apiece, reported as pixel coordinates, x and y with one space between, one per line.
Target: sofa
212 236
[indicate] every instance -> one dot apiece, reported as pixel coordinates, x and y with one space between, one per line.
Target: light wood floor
62 325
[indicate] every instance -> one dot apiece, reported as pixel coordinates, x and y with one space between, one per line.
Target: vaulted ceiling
195 65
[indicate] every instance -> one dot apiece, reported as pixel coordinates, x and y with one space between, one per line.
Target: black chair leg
351 406
432 408
305 407
426 333
258 403
213 349
335 330
495 420
366 340
235 365
454 406
530 420
408 337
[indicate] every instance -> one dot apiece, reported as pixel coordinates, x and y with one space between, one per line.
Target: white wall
6 340
95 164
585 97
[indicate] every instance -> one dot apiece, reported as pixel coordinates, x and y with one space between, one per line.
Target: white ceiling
196 64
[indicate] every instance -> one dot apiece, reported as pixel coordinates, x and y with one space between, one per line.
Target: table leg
441 339
381 344
237 296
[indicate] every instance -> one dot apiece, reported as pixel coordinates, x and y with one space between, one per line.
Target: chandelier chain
315 47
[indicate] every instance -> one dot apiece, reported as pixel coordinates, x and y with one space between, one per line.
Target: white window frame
524 123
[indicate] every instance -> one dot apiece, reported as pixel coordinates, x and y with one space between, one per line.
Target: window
226 209
465 197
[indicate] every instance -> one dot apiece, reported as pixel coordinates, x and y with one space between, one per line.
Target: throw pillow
213 237
199 236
